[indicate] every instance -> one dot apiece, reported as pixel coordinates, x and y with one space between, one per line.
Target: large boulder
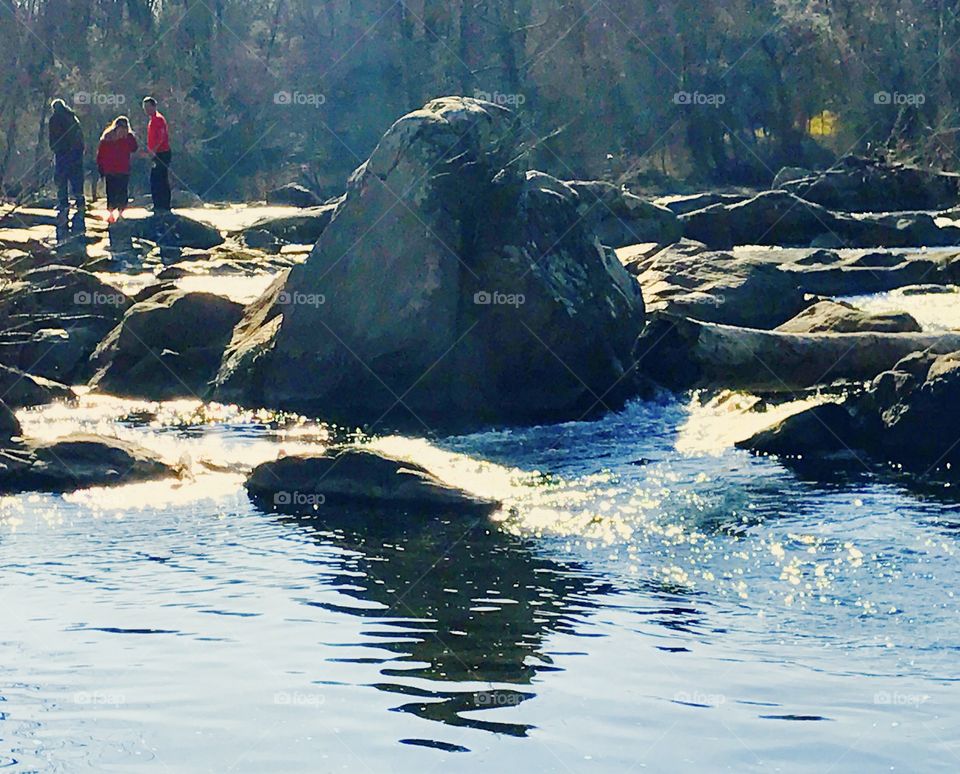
303 228
866 185
840 317
168 346
293 195
358 477
52 318
621 218
76 462
450 286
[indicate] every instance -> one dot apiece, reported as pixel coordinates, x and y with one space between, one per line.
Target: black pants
160 181
68 173
117 191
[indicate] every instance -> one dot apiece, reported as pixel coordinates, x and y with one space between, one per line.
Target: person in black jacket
66 142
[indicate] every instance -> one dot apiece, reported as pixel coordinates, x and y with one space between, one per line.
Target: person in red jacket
117 145
158 146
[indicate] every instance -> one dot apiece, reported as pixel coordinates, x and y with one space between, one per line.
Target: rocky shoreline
452 287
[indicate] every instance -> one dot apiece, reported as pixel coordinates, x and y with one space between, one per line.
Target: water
650 599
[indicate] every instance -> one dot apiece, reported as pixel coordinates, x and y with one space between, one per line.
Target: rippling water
650 599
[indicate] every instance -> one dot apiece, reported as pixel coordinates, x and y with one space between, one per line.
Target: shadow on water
459 603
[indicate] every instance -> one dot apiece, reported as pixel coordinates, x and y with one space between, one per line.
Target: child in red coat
117 145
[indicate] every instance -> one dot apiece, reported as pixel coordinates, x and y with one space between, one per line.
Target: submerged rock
840 317
358 477
479 296
76 462
168 346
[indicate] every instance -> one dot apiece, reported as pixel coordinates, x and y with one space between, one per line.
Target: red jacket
158 136
113 156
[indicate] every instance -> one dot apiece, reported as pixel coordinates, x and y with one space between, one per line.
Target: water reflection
465 608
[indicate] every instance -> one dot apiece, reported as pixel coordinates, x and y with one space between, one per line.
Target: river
650 599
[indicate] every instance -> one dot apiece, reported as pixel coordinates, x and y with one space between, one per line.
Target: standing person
117 144
158 146
66 143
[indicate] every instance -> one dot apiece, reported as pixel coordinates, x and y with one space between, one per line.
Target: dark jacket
66 135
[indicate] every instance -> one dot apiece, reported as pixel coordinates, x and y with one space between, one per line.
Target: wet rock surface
460 301
358 477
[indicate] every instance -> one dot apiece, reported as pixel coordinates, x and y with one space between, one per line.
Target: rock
920 425
53 318
681 354
76 462
168 346
458 304
866 186
358 477
303 228
789 175
174 272
681 205
825 429
261 239
149 291
9 424
174 230
293 195
22 389
840 317
688 281
770 218
619 217
906 416
819 258
926 290
179 198
781 218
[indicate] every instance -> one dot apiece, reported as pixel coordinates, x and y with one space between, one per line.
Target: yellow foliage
824 124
